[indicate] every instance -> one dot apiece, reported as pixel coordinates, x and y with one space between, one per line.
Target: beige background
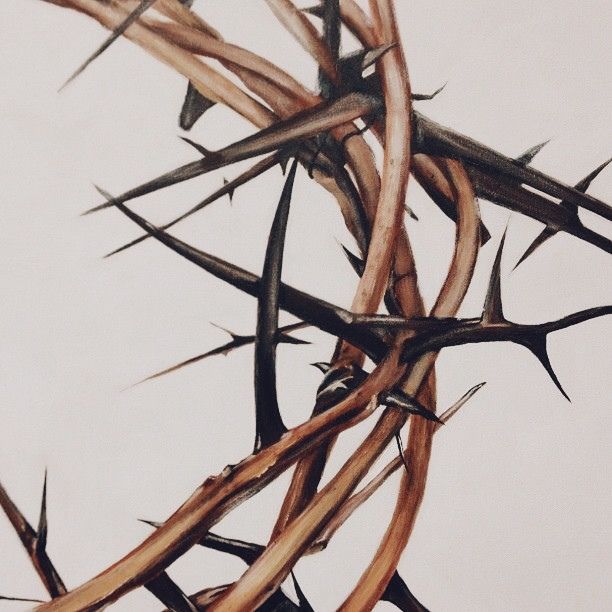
516 515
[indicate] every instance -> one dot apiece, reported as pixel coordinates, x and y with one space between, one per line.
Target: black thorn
398 399
585 183
493 311
302 599
23 599
357 263
540 239
537 345
315 11
198 147
410 212
41 532
230 191
322 366
400 450
527 157
431 96
194 106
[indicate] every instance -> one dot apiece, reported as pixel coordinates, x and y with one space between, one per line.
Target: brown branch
385 218
376 577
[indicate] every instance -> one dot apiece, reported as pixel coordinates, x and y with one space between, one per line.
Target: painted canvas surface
396 217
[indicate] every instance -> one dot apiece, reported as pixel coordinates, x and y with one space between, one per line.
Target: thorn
400 450
448 413
227 331
24 599
315 11
356 262
399 399
198 147
540 239
493 311
194 106
527 157
410 212
155 524
322 366
431 96
585 183
373 55
115 34
41 532
537 345
230 192
302 600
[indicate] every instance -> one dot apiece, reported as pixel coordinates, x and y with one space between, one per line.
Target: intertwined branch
324 133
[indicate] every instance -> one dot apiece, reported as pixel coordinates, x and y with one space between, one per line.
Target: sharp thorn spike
447 414
373 55
41 532
116 33
541 238
194 106
198 147
431 96
537 345
322 366
493 311
527 157
357 263
315 11
585 183
410 212
156 524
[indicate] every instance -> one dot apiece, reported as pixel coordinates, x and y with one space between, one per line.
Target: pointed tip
322 366
156 524
410 212
527 157
114 35
230 191
539 240
198 147
315 11
585 183
194 106
493 311
538 347
431 96
449 412
357 263
227 331
41 532
373 55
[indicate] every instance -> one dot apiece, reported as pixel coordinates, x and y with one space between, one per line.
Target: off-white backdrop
516 515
